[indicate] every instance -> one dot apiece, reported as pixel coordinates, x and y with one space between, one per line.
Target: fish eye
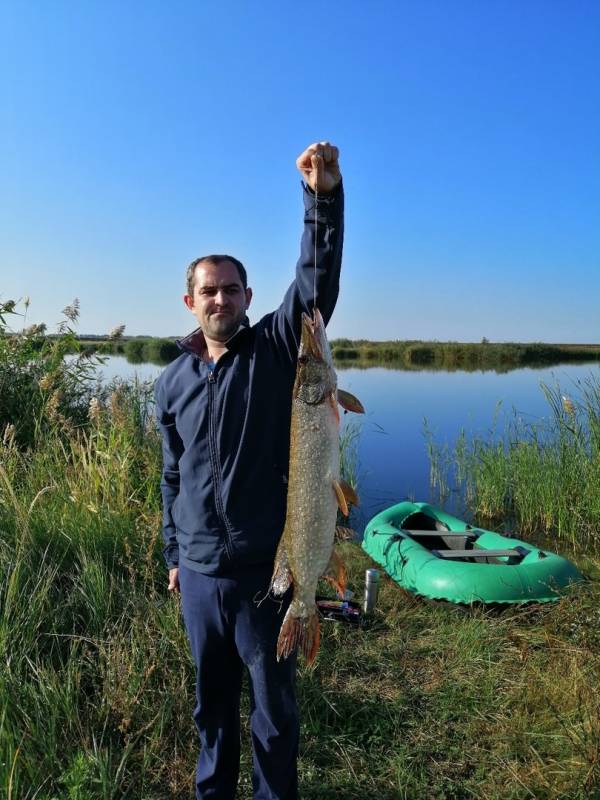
303 359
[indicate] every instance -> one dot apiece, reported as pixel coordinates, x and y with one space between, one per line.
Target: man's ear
189 301
248 296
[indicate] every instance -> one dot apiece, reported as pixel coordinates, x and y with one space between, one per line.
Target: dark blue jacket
226 433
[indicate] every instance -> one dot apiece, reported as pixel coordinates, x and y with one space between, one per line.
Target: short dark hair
216 260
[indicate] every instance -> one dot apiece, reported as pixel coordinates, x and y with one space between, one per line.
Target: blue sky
136 136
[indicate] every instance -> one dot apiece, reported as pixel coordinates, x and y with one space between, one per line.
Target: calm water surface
392 446
394 463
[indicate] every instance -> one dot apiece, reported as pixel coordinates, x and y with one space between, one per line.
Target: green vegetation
36 383
397 354
138 349
459 355
96 682
539 477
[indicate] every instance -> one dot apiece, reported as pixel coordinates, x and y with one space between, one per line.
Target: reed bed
539 477
499 356
142 349
409 355
96 682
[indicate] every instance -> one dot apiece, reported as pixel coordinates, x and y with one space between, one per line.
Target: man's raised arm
321 244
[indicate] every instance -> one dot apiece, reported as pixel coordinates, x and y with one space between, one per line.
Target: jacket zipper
216 467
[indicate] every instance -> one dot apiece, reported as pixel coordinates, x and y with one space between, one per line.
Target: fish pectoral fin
341 499
282 574
344 534
336 574
349 402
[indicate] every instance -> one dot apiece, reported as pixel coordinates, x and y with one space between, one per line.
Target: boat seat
516 554
444 534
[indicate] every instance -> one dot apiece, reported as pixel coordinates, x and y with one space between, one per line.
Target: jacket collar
195 343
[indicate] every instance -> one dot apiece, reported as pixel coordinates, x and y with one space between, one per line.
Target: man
224 409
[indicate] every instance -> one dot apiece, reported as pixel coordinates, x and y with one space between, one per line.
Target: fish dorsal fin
349 402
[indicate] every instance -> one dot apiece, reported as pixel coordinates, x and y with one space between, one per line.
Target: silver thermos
371 589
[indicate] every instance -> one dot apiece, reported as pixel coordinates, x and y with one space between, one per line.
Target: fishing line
315 256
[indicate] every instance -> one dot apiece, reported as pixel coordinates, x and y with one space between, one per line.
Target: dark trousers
228 629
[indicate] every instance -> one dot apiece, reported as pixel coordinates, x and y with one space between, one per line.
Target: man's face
219 301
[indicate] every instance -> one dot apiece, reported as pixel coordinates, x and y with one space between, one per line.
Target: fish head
315 375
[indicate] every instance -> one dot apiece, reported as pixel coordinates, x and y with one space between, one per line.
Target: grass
97 690
96 681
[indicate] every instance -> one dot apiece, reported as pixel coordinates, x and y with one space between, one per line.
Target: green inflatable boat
433 554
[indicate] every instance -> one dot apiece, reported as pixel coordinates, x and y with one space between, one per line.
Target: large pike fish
315 492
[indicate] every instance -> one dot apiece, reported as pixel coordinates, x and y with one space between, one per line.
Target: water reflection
120 367
499 369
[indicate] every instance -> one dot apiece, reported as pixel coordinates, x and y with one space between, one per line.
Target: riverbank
461 355
398 354
137 350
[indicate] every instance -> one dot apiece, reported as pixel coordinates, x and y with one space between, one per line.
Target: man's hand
174 580
319 167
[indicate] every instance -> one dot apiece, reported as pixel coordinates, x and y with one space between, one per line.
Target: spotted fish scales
315 491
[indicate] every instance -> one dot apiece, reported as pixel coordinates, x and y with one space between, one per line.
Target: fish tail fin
299 633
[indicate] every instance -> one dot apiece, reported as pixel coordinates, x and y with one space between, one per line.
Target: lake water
392 446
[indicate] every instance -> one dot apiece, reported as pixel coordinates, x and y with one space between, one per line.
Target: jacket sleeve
172 448
328 235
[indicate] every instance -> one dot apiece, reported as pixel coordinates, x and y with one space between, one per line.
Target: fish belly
312 504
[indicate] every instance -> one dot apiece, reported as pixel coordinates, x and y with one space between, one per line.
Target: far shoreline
401 354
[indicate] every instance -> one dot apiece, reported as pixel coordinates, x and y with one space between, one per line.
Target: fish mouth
312 332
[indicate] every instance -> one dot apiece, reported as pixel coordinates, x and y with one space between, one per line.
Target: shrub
134 350
40 388
420 354
161 351
345 353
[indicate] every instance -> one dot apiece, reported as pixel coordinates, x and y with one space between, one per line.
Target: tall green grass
542 476
91 654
